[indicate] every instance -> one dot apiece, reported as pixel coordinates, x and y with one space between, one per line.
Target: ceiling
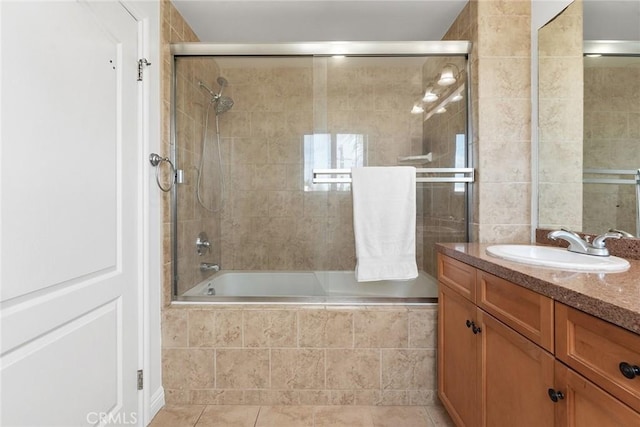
262 21
611 19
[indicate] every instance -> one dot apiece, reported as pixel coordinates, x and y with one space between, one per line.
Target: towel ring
155 161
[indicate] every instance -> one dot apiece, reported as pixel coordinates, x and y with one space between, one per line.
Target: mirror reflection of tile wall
561 120
611 139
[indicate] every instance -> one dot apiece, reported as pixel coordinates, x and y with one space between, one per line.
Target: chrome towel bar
333 176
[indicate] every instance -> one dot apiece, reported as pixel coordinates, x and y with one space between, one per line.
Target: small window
332 151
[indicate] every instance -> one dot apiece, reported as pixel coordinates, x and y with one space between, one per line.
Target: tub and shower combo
265 307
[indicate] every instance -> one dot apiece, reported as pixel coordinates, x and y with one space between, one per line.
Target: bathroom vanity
528 346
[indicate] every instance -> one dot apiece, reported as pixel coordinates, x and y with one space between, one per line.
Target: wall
271 222
308 355
443 208
193 104
560 120
611 141
501 111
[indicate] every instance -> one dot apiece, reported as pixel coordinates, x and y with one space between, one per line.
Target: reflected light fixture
430 95
457 97
447 76
417 109
593 55
441 110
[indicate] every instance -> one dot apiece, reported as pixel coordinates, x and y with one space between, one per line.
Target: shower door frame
317 49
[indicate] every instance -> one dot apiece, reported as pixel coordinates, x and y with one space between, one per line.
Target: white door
69 226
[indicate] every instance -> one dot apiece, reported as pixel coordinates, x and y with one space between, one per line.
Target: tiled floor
301 416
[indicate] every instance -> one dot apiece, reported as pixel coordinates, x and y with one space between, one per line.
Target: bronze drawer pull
629 371
555 395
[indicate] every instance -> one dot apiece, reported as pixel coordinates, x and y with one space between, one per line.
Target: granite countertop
614 297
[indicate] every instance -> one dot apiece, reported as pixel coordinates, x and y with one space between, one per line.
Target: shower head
212 93
223 104
222 82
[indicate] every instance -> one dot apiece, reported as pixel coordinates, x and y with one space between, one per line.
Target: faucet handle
598 242
624 233
563 228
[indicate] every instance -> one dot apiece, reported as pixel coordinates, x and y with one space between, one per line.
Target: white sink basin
558 258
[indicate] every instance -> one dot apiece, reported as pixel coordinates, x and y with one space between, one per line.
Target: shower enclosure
261 136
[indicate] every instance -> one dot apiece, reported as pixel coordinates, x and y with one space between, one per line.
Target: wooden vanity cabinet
508 356
485 367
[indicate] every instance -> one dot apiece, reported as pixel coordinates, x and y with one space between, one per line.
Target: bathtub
326 287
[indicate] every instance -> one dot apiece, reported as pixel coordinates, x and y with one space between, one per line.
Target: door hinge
141 64
140 379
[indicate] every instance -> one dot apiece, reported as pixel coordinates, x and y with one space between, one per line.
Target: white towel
384 222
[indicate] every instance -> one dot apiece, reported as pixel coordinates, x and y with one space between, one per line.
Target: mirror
588 118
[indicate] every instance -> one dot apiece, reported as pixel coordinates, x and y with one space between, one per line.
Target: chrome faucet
583 246
209 266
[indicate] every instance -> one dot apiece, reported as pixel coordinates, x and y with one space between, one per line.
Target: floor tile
439 416
228 416
285 416
343 416
177 416
400 416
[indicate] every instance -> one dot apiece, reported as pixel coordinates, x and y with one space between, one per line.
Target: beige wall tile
187 368
297 369
313 397
408 369
326 328
201 328
423 327
353 369
242 368
174 325
270 328
176 397
342 397
375 328
228 328
423 397
216 397
506 203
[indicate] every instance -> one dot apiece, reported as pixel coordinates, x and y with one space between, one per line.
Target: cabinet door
586 405
515 377
457 371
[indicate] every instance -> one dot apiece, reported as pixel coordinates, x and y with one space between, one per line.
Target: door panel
69 230
515 379
457 372
587 405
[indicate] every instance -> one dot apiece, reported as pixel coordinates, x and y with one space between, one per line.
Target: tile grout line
255 423
200 416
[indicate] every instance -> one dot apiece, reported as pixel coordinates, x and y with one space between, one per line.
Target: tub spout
209 266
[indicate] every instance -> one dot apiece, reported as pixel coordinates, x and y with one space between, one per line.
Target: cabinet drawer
596 349
527 312
458 276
